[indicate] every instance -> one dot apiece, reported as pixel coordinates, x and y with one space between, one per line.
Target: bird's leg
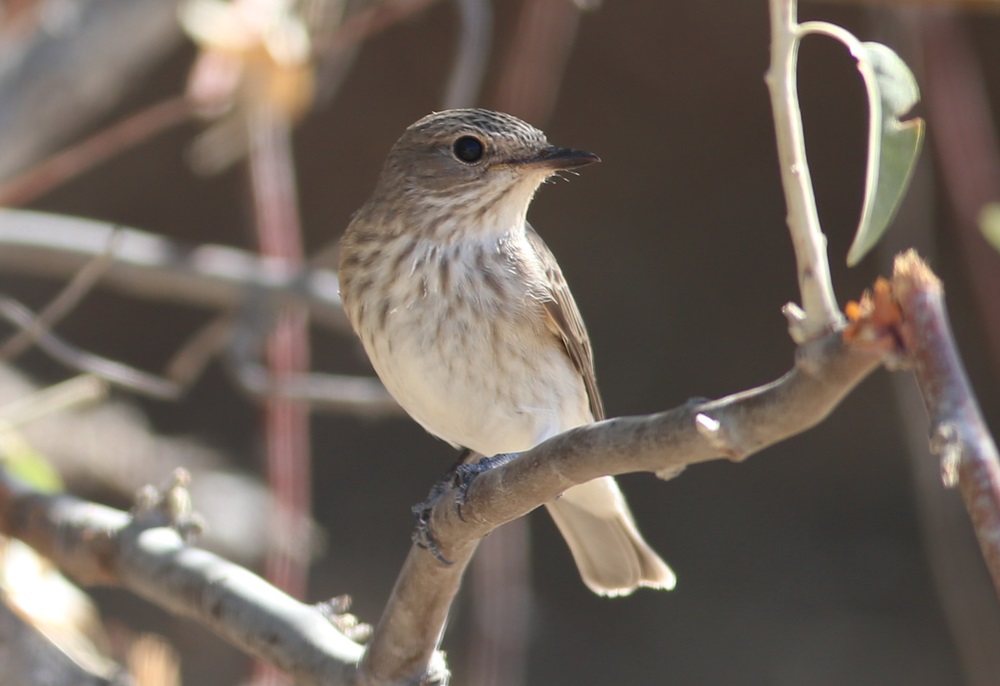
460 476
422 535
465 474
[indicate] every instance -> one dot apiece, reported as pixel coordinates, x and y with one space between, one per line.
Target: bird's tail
610 553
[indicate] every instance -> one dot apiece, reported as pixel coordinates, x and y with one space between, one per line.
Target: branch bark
149 266
147 554
733 427
959 435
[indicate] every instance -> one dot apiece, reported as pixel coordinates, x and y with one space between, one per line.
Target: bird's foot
460 477
422 535
465 474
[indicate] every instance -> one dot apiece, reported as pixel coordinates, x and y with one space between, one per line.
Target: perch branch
733 427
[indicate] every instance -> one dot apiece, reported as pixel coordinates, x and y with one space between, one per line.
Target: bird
469 323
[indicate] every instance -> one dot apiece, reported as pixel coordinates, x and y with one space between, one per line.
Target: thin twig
819 313
211 276
472 55
536 58
371 20
158 268
968 151
62 304
72 393
90 152
83 361
286 424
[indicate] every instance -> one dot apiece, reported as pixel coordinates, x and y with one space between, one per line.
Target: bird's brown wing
565 322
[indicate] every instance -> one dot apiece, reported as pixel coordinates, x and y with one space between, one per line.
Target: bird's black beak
558 159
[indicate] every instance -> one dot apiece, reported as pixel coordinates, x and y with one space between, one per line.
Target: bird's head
471 163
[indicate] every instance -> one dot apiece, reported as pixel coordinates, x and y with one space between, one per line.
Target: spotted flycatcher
469 323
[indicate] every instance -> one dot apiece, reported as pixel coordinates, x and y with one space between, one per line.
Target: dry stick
89 153
83 361
100 545
62 304
733 427
959 436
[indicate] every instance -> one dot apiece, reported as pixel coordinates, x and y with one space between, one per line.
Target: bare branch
534 64
54 81
106 143
819 313
740 425
80 390
83 361
146 554
959 436
154 267
62 304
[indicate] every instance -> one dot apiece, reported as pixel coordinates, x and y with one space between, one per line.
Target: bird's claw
461 477
422 535
465 474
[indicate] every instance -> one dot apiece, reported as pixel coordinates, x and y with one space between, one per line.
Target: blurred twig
287 421
472 54
149 266
83 361
74 66
107 143
215 277
79 390
62 304
371 20
536 58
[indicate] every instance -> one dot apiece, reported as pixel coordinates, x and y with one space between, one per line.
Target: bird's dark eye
468 149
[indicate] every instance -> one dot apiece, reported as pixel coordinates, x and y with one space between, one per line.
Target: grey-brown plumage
468 320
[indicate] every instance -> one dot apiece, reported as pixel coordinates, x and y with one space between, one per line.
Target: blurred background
835 557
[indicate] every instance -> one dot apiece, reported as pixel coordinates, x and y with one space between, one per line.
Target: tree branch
56 79
819 313
146 553
149 266
734 427
959 435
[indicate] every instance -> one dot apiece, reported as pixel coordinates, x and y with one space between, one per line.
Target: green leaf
25 463
893 144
